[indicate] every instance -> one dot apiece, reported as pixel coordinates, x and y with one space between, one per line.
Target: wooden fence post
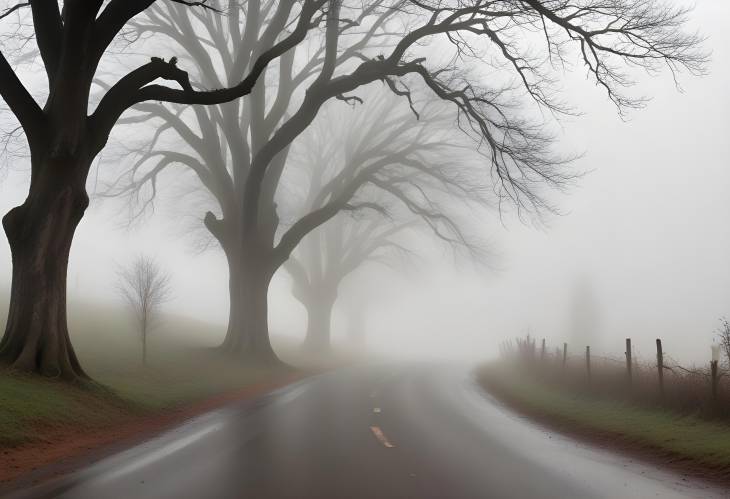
660 366
588 363
628 359
713 371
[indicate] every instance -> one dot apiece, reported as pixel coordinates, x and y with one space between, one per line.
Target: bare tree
224 142
388 41
419 178
64 138
145 286
327 257
482 35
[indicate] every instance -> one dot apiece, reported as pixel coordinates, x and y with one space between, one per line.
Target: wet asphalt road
368 432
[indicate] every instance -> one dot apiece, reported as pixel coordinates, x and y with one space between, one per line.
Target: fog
640 249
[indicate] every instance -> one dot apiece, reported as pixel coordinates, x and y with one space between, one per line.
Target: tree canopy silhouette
473 36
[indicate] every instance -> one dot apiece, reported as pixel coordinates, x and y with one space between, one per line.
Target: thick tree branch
20 102
12 9
113 18
48 31
136 87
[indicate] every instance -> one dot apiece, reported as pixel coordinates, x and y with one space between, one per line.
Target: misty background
641 249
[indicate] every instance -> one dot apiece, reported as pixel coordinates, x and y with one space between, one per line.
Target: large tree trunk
40 232
247 336
319 320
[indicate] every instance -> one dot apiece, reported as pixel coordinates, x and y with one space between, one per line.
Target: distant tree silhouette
407 176
584 313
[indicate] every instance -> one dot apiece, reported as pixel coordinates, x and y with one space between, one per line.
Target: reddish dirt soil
62 450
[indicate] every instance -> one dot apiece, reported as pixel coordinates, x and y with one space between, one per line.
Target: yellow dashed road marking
381 436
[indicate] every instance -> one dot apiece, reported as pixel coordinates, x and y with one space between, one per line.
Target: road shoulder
63 449
623 432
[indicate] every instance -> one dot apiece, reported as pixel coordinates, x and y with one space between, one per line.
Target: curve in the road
369 432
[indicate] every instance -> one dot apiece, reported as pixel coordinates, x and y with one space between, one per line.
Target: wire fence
658 380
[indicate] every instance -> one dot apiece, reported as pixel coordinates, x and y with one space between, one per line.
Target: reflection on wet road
383 431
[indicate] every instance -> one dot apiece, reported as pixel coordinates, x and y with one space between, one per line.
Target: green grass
180 378
23 402
182 369
32 408
685 437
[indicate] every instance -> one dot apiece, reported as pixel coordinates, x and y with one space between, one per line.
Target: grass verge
28 403
50 427
46 422
691 444
36 410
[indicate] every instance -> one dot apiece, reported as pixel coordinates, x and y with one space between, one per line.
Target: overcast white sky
648 228
647 232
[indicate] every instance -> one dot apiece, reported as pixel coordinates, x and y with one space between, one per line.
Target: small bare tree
145 286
